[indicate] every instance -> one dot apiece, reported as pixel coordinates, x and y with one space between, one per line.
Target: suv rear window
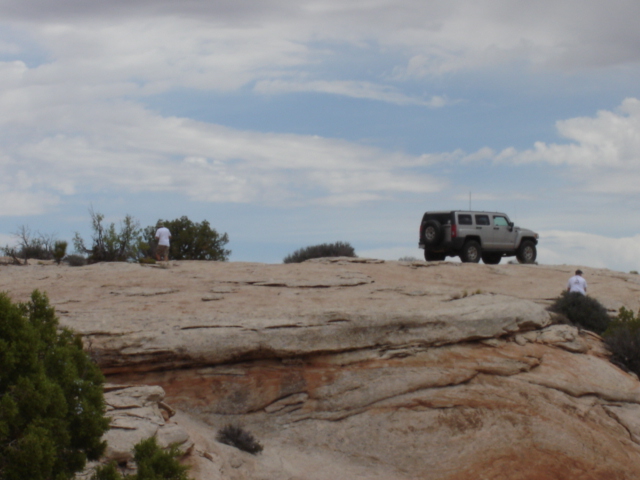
464 219
482 220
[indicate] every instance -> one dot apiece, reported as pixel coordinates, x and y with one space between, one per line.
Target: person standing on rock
163 235
577 284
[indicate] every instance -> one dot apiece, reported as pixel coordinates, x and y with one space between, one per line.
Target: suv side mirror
511 226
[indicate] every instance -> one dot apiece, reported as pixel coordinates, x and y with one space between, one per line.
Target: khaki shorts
162 251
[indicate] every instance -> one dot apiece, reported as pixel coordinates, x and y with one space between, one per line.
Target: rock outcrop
355 368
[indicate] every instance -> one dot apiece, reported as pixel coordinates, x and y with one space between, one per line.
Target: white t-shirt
577 284
163 235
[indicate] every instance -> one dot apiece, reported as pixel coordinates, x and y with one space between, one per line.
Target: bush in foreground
153 464
51 398
623 340
582 310
337 249
239 438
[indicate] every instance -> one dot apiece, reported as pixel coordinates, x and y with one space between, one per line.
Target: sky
288 123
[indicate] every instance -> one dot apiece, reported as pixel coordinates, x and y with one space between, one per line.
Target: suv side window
482 220
464 219
500 222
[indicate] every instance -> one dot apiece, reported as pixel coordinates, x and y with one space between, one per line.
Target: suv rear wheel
471 252
432 232
527 252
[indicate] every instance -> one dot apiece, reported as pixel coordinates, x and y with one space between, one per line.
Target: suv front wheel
527 252
471 252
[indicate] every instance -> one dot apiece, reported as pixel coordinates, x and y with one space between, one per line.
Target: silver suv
474 235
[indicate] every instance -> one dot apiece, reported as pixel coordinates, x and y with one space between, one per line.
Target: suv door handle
478 228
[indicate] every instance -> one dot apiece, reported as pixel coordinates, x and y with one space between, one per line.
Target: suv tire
491 258
471 252
432 233
527 252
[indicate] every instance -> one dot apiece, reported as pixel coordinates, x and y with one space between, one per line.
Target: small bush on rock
239 438
153 463
76 260
582 310
59 250
337 249
623 339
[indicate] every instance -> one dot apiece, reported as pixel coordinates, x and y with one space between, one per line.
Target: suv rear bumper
454 245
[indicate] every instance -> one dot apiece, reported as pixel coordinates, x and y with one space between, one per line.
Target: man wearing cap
577 283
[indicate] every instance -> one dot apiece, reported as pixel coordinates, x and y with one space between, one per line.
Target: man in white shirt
162 235
577 283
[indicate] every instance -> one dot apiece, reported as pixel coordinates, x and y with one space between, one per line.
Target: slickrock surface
358 368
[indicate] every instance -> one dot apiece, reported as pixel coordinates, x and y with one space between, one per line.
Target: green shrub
239 438
623 340
582 310
30 244
59 250
189 240
337 249
147 261
51 398
108 244
153 464
75 260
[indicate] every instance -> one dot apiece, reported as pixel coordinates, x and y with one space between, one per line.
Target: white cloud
17 202
578 248
124 146
353 89
603 152
8 240
215 46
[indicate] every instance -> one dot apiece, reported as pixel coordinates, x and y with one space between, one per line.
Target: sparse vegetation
465 294
30 244
337 249
75 260
407 259
582 310
623 340
59 250
51 399
239 438
109 245
153 464
189 241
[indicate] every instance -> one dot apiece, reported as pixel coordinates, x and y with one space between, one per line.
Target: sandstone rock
351 368
135 413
